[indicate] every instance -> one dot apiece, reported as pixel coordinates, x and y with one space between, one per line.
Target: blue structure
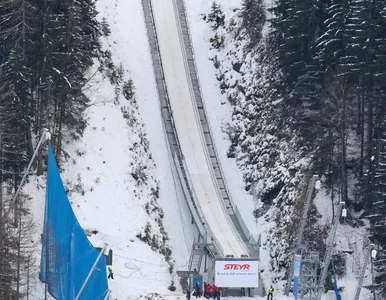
297 264
193 279
67 255
336 289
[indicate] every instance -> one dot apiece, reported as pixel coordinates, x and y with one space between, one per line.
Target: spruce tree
253 19
216 17
293 31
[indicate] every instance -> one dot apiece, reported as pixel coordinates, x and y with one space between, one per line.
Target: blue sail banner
67 255
297 263
336 289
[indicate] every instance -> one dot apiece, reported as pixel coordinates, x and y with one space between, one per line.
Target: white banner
237 273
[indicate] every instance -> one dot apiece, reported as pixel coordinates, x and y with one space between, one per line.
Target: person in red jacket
210 290
197 290
215 291
205 288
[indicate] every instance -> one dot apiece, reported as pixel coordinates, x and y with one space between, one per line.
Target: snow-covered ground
188 127
129 45
182 297
99 164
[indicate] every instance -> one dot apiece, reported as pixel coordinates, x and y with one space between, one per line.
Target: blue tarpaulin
67 255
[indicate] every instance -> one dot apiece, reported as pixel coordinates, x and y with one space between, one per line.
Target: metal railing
188 46
189 64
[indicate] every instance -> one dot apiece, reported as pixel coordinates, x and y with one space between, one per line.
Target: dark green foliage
216 17
330 53
128 90
294 26
217 41
140 175
13 136
71 43
253 19
145 236
338 264
156 243
313 89
17 263
46 47
105 27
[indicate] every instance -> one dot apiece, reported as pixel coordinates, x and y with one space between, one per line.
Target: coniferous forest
307 81
46 47
332 59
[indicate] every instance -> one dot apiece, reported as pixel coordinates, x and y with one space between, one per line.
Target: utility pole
313 183
107 295
28 275
102 252
372 274
45 136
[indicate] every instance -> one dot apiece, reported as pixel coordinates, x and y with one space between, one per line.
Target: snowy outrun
162 211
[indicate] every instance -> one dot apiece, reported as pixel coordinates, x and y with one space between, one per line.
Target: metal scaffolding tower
330 247
308 275
310 189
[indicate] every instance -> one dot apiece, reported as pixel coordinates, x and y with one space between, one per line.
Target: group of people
209 291
213 291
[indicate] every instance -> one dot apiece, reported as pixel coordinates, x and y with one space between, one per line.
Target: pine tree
253 19
216 18
293 31
72 42
14 128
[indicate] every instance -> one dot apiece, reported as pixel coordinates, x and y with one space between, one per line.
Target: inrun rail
248 239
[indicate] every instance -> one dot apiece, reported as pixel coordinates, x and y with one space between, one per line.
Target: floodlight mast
313 183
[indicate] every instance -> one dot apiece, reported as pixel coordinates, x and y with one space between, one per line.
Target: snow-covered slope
129 45
98 172
190 134
218 111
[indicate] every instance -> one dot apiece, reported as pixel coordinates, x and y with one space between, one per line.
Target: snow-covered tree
253 19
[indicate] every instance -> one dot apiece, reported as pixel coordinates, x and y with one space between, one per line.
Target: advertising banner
297 263
237 273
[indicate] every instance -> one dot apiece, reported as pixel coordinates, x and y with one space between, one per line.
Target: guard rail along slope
251 241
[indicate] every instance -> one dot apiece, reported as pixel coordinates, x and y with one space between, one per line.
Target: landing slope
189 129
